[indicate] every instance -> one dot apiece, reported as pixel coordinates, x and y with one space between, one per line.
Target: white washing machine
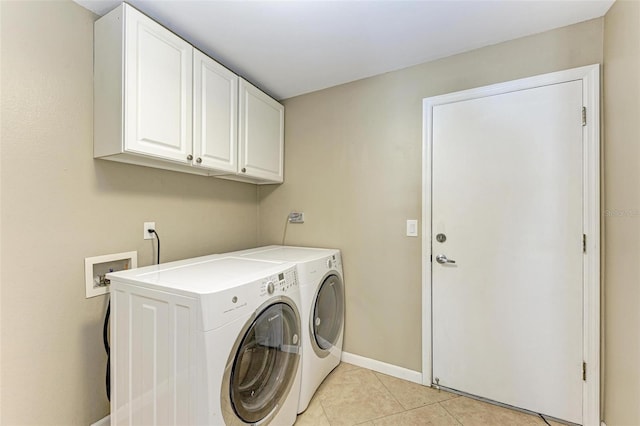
322 310
207 341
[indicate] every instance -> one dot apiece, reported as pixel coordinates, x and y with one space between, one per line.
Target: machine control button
329 263
270 287
234 299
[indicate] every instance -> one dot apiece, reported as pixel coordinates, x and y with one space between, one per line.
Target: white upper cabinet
159 102
261 139
215 117
158 80
142 91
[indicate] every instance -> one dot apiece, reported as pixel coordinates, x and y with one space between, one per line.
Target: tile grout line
394 397
404 409
452 395
375 374
390 393
450 413
324 412
380 381
418 408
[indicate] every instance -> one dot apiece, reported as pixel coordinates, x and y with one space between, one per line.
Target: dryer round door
327 315
264 363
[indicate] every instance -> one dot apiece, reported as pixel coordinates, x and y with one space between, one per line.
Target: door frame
590 76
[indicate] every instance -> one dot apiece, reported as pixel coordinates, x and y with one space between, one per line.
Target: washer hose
105 338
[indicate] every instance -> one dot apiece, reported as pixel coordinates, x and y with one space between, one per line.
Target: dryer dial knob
270 287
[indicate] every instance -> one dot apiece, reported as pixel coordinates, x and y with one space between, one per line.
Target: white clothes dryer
207 341
322 296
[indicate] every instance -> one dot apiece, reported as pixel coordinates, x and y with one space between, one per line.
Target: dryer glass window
328 312
266 363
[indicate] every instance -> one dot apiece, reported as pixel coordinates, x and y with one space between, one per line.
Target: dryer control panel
334 262
279 284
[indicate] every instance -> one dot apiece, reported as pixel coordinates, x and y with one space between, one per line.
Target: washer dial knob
270 287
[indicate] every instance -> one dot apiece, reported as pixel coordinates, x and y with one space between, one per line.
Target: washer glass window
266 363
328 313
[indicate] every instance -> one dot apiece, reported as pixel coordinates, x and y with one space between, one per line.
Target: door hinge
584 243
584 371
584 116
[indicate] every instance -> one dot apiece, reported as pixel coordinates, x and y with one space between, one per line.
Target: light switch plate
412 228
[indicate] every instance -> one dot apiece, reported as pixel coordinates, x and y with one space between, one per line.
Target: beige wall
60 206
622 213
353 165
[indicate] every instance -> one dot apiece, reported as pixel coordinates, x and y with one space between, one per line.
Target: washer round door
327 315
264 364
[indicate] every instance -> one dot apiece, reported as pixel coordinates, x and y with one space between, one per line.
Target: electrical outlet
149 235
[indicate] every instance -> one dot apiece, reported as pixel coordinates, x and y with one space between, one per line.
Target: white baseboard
106 421
383 367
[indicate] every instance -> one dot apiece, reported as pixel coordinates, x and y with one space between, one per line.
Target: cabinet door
158 87
215 115
261 136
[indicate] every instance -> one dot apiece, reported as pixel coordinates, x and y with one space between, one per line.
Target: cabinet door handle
198 160
244 170
189 157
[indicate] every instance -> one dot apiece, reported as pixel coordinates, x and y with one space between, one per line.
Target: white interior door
507 195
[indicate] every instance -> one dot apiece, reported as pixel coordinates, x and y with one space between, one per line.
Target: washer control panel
281 283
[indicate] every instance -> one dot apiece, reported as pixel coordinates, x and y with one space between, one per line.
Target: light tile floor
351 395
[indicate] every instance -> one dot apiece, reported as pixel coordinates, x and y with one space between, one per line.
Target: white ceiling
293 47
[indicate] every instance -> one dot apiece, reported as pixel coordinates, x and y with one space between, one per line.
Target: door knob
442 259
